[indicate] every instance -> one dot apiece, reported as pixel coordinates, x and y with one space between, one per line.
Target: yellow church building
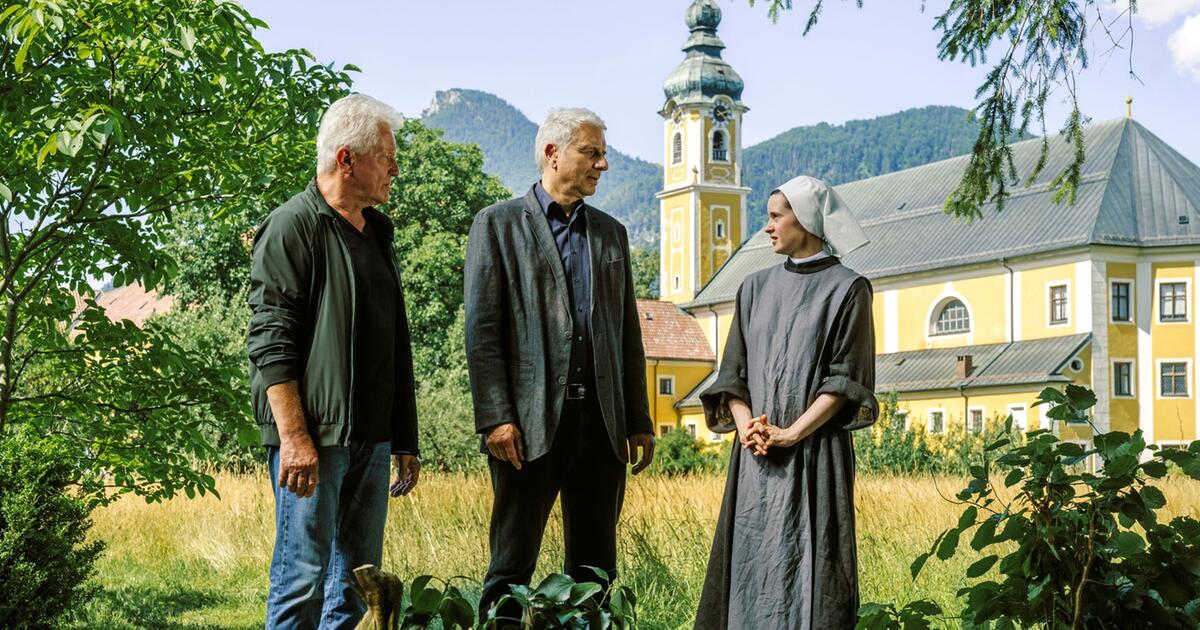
972 321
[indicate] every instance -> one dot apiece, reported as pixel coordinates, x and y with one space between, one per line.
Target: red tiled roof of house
134 303
669 333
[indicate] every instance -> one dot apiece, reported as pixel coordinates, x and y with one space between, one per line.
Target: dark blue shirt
570 236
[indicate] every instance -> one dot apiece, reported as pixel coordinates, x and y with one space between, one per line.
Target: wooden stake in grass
383 593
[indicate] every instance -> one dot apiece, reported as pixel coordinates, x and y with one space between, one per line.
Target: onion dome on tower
703 75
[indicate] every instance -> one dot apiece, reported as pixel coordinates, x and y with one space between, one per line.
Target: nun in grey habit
797 376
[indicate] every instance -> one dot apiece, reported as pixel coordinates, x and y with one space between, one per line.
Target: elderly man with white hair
554 351
331 373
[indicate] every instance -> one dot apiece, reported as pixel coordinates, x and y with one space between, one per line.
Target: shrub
560 602
1072 549
44 559
678 453
888 447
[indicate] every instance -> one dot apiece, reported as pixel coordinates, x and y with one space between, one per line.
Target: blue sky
613 56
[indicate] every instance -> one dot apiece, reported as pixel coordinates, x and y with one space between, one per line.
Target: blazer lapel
545 240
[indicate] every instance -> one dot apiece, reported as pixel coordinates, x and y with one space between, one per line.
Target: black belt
576 391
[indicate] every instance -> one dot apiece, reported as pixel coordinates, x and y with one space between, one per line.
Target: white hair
560 129
352 122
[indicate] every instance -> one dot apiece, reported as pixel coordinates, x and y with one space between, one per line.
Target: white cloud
1185 47
1159 12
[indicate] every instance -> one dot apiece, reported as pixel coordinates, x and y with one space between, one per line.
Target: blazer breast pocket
614 276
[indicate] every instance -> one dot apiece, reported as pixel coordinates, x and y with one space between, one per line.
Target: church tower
702 201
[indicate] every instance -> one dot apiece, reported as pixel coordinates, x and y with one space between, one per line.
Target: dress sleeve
732 377
851 371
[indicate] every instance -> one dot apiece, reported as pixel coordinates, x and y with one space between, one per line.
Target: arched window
952 318
719 153
677 148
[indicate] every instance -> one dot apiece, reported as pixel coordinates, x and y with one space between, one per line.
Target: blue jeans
321 539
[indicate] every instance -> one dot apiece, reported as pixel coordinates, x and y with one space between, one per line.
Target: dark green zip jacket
302 315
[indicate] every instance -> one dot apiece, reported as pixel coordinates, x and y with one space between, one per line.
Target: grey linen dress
784 552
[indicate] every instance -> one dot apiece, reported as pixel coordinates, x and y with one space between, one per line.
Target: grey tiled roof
1033 361
692 400
1134 191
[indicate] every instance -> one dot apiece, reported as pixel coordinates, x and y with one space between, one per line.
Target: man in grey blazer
554 350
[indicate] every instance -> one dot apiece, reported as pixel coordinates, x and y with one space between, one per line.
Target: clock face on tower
721 113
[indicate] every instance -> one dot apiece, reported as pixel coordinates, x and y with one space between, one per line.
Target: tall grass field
202 563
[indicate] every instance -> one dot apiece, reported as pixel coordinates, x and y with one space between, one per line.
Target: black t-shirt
376 303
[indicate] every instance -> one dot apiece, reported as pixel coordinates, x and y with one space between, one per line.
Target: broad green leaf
918 564
1128 543
1153 497
985 534
556 587
981 566
1013 477
949 544
5 193
582 591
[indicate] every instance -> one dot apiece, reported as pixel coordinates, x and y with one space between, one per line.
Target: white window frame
1187 380
982 418
902 415
719 230
936 309
677 142
675 283
665 379
929 421
1157 301
1049 310
1022 426
690 427
1112 378
1132 302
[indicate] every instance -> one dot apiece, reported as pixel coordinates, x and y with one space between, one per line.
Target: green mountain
506 137
835 153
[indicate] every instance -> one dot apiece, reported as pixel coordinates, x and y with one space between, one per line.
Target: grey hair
352 122
560 129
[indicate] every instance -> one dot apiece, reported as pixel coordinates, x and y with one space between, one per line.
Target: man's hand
504 443
408 471
298 465
646 442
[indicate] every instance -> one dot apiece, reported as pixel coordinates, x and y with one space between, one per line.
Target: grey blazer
518 325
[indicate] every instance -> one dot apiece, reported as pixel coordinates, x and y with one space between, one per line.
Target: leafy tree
645 271
1041 47
440 188
117 117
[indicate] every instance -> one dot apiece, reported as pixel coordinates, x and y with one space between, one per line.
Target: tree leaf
981 566
1153 497
918 564
5 193
985 534
949 545
1128 543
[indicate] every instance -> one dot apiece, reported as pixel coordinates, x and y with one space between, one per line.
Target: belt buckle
576 391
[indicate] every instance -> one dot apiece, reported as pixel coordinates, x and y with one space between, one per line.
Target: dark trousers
582 466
